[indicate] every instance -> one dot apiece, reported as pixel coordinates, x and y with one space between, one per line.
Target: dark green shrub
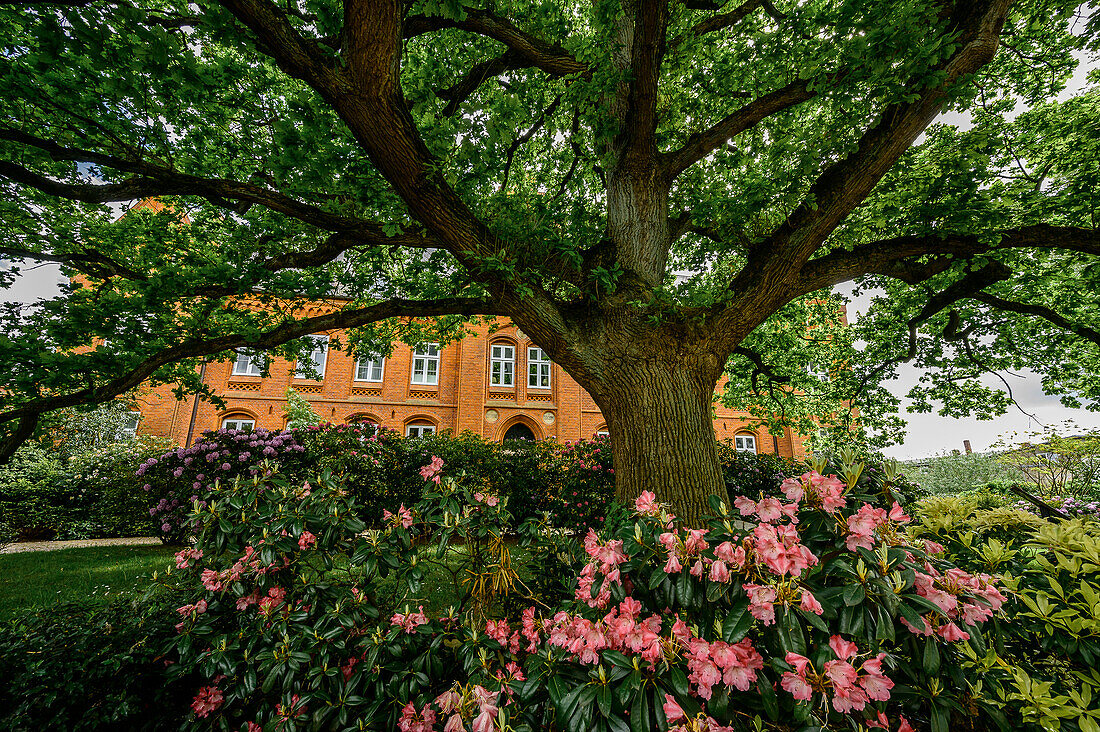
36 497
113 502
93 494
752 474
82 667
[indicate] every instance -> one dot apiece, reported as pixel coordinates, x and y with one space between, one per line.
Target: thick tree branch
701 144
29 411
647 54
886 256
510 60
300 57
150 180
1039 311
89 261
726 20
551 58
970 284
846 183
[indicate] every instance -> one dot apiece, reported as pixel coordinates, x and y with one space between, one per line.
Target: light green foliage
1043 656
71 431
957 473
1065 462
298 412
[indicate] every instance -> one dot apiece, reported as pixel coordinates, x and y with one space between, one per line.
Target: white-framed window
818 372
248 363
426 364
502 365
744 443
419 429
239 423
538 368
317 358
369 369
129 427
603 433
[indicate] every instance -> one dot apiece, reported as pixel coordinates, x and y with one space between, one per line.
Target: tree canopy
675 183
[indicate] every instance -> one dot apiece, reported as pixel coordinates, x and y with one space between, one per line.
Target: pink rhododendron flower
719 572
779 549
273 600
530 631
796 681
746 506
810 604
792 489
211 580
951 633
410 721
409 622
898 515
761 599
673 711
403 517
487 710
605 560
307 540
448 701
432 470
816 489
695 543
207 700
932 547
646 504
185 556
842 648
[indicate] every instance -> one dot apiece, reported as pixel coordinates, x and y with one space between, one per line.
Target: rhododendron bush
809 610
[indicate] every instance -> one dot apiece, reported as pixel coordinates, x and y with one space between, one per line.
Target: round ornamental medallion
548 417
491 416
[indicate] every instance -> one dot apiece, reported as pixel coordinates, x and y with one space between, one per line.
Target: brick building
495 383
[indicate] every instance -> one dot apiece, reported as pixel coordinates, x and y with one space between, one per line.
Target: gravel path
46 546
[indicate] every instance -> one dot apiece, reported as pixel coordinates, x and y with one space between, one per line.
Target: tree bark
659 414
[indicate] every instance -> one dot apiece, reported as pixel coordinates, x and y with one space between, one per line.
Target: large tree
655 191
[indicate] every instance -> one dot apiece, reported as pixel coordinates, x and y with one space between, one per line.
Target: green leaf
854 594
738 622
931 657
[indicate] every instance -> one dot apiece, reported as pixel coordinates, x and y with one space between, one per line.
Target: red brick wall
463 399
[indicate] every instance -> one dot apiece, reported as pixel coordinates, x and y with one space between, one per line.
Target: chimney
966 446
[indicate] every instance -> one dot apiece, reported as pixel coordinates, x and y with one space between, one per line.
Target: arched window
419 428
239 422
502 365
745 443
518 431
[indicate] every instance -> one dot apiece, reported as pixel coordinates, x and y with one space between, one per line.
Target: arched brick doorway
519 431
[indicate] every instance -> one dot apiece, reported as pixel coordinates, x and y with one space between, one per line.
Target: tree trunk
659 414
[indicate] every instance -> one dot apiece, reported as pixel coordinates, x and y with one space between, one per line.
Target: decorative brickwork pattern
461 401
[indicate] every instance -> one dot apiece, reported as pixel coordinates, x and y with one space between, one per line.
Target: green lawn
29 579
